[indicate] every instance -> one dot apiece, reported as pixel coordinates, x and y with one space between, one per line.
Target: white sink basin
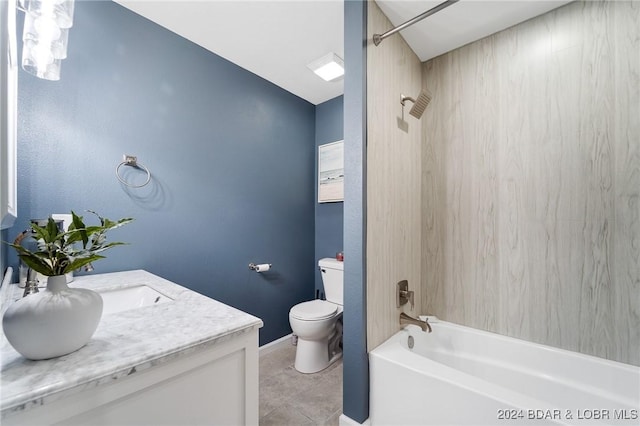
124 299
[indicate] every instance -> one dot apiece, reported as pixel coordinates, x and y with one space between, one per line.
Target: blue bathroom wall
329 216
231 156
355 358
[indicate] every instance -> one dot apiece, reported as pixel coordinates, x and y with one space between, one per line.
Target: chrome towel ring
131 160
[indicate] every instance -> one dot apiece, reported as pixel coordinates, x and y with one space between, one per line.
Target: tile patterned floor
288 397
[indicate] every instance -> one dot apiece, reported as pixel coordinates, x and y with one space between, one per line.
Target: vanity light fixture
330 67
45 36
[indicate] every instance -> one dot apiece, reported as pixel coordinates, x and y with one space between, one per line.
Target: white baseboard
348 421
276 344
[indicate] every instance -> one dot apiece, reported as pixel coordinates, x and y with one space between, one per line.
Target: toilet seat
314 310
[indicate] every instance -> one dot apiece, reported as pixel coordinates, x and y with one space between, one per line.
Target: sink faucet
31 284
406 319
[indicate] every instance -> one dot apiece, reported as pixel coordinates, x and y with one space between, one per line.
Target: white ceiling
276 39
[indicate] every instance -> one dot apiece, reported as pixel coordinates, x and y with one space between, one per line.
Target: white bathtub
462 376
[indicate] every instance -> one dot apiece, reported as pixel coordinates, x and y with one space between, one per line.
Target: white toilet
316 323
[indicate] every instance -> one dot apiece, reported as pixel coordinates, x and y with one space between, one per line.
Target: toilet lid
314 310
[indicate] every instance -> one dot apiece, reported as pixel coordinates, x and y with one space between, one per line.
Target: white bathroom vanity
187 360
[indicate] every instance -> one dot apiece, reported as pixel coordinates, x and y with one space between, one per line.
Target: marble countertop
125 341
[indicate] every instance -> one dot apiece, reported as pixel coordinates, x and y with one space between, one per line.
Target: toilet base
313 356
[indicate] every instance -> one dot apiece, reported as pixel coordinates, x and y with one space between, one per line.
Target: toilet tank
332 271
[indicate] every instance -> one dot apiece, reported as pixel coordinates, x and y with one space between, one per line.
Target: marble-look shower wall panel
434 249
531 181
393 179
450 194
626 246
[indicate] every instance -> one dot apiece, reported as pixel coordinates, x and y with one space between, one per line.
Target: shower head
419 104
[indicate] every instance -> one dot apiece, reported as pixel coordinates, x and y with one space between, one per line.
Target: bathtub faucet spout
406 319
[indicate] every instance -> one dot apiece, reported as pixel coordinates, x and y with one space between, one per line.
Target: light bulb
47 29
60 10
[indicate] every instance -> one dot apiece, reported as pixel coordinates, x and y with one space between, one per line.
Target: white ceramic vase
52 322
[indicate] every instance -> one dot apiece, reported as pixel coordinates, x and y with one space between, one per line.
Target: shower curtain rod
377 38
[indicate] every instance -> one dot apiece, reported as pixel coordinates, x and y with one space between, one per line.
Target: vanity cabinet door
216 384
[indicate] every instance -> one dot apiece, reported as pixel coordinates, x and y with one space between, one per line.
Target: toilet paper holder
259 268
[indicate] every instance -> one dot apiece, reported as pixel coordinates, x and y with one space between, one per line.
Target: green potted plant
60 319
59 252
